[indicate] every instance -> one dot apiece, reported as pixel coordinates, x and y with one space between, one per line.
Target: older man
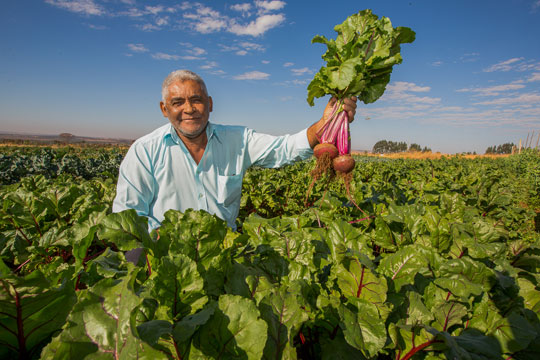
194 163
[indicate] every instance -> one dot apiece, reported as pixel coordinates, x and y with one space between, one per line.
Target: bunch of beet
333 152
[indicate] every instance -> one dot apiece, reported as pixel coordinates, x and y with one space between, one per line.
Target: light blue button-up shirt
158 173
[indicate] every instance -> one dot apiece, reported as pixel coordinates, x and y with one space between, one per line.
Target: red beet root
343 164
325 148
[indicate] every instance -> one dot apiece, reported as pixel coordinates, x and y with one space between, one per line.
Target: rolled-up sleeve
274 151
136 184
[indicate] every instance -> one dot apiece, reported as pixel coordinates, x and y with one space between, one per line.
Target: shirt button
200 196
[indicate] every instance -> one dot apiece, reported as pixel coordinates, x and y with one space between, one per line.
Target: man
193 163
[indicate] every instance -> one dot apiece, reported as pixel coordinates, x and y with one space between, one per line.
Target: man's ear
210 104
163 109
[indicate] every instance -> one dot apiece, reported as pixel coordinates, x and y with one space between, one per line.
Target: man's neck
195 146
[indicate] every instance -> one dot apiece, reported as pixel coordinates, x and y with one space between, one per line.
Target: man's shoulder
154 137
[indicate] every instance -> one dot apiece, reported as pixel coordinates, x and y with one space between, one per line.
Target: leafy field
440 260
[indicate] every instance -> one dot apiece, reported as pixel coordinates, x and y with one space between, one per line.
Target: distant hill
64 138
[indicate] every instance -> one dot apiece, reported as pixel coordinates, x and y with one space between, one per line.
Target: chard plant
358 63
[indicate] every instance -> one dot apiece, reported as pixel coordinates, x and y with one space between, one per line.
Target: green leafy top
359 61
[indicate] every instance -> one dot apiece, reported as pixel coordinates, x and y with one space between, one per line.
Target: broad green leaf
32 311
402 266
126 229
178 286
362 327
235 330
356 280
284 316
99 326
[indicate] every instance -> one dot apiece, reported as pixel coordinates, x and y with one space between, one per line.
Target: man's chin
192 134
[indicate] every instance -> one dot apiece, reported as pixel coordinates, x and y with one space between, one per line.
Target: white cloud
288 64
85 7
504 65
209 65
530 98
154 9
241 7
400 91
534 76
206 20
162 21
241 52
148 27
252 75
270 5
436 63
470 57
302 71
97 27
251 46
164 56
259 26
401 86
138 48
493 90
265 62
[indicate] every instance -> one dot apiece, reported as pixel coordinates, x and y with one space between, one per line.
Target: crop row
439 259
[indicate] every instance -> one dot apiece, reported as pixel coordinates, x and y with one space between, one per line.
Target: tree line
500 149
386 147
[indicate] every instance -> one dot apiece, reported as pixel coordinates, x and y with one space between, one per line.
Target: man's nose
189 108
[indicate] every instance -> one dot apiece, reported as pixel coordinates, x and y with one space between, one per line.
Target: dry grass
426 155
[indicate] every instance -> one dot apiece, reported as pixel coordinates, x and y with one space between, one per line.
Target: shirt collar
211 131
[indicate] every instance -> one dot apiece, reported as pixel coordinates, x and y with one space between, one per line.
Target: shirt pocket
229 189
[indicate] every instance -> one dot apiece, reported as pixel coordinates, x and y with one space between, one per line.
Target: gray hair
181 75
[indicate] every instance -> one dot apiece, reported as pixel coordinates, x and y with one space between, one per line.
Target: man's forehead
186 88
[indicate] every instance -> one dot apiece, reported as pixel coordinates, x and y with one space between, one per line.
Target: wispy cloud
302 71
470 57
97 27
436 63
252 75
209 65
258 26
164 56
271 5
506 65
530 98
534 76
138 48
242 48
492 90
206 20
401 91
288 64
85 7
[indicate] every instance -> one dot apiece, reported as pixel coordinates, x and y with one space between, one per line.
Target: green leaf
284 316
178 286
362 327
356 280
33 310
234 331
100 325
126 229
402 266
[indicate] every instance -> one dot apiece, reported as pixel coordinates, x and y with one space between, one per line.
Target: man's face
187 108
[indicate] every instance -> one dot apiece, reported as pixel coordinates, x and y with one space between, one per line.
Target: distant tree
426 149
415 147
500 149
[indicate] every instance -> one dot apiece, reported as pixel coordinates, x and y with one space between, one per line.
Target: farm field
435 259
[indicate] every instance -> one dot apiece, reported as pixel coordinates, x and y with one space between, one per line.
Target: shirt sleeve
275 151
136 184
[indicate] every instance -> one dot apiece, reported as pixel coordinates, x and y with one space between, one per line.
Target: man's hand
349 105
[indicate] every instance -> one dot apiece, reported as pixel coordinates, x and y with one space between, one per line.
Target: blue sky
94 67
